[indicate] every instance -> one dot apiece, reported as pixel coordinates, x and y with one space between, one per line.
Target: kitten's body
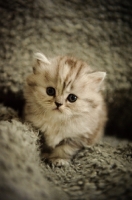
67 125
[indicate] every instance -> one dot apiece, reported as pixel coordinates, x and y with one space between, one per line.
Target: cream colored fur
72 125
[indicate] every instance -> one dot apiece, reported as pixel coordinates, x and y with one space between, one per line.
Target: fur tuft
41 57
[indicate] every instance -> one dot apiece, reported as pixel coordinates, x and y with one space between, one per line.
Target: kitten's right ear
40 63
96 79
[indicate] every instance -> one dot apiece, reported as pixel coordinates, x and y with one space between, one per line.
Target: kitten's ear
96 79
40 62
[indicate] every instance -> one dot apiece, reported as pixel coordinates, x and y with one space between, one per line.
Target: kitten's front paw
59 162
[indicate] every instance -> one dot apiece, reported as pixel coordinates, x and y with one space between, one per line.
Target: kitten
64 101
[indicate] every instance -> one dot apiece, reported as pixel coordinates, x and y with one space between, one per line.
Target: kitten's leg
62 154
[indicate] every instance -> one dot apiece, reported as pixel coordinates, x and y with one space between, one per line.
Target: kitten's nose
58 104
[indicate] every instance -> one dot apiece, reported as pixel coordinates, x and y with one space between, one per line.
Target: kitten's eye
72 98
50 91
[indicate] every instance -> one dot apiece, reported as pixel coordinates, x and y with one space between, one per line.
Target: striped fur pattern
67 125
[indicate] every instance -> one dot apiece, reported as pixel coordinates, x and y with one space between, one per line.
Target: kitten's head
64 87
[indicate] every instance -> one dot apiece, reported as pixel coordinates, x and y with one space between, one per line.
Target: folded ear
96 79
40 62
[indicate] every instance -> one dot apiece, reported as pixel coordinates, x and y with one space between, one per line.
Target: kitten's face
64 87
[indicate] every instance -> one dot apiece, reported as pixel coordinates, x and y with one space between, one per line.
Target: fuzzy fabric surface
100 172
99 32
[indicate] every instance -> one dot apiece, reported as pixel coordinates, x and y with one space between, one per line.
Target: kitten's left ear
40 62
96 79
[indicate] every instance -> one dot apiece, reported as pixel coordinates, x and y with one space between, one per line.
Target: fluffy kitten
63 100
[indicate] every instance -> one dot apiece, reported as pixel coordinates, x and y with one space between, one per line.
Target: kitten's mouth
57 109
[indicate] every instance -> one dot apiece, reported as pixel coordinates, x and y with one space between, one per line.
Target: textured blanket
100 32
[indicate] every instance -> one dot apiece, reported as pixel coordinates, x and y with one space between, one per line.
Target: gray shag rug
100 32
100 172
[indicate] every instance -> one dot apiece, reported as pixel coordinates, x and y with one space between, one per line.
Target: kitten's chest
54 132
